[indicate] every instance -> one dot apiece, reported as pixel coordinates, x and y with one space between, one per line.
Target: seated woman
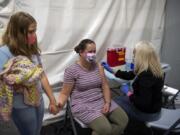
90 95
144 103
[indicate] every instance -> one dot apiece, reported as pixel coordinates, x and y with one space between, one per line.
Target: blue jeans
133 112
29 120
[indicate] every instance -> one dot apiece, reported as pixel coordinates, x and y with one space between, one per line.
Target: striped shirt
86 98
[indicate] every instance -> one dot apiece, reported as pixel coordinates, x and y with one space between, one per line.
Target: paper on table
170 90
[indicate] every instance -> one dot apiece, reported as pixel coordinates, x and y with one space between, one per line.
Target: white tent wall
63 23
6 9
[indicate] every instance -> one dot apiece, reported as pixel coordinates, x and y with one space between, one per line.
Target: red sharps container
116 56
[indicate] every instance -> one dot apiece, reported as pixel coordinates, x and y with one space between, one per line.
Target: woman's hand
106 108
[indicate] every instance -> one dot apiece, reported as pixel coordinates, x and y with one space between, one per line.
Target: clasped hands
53 108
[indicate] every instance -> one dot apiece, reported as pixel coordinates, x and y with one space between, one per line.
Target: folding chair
72 118
168 122
69 113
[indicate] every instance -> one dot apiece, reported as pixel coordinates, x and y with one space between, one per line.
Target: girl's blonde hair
146 58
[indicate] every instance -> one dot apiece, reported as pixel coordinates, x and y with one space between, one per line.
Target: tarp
62 24
110 23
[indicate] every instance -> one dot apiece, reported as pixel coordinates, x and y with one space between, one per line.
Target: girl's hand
60 106
53 108
106 108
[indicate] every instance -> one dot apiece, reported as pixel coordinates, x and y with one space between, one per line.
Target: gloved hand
107 67
125 88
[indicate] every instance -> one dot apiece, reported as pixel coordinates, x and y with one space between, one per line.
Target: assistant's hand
106 108
107 67
125 88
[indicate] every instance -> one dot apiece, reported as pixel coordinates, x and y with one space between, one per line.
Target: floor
8 128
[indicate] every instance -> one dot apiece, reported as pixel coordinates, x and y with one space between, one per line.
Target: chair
73 120
69 113
168 122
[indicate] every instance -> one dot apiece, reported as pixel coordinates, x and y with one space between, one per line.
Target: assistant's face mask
91 57
32 39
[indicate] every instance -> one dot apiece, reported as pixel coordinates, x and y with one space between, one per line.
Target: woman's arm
64 94
48 90
125 75
69 82
106 90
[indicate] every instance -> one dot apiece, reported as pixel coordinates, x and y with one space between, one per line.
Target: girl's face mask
31 39
91 57
31 35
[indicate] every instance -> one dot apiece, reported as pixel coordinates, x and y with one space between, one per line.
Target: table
169 96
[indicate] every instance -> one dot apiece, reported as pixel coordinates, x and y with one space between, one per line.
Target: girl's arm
49 92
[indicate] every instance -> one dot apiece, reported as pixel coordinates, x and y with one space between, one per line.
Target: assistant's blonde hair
146 58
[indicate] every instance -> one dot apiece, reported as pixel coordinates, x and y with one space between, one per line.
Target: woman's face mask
91 57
